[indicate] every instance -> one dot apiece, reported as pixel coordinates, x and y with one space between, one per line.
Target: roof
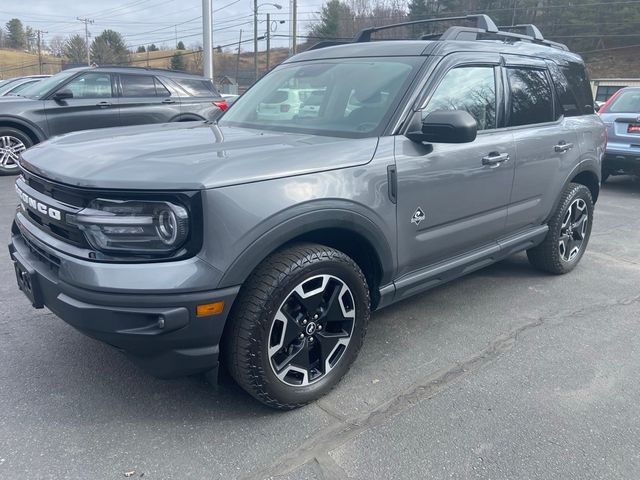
129 69
390 48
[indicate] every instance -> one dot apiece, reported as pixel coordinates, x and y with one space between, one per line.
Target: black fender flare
288 230
587 165
187 117
29 127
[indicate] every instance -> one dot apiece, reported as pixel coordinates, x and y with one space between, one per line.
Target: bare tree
56 45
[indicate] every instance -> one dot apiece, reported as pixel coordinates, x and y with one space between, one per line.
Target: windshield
37 90
352 98
628 101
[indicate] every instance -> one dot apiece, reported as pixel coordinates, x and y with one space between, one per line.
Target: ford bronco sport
265 243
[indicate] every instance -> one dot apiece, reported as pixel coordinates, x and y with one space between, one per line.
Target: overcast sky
155 21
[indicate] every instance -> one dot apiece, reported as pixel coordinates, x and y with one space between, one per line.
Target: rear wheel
297 325
569 232
12 143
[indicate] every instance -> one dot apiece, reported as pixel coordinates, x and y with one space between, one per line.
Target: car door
94 104
546 144
453 198
144 99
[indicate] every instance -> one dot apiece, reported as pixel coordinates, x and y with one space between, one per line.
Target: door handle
563 147
495 159
168 100
103 104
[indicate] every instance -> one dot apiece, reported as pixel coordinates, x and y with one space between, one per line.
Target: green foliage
141 49
16 34
180 45
75 49
177 62
109 48
152 48
335 16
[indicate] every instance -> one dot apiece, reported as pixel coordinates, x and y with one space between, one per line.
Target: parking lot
507 373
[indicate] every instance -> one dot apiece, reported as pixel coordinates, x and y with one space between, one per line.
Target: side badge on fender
418 216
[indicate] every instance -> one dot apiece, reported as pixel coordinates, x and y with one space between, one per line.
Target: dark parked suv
266 243
88 98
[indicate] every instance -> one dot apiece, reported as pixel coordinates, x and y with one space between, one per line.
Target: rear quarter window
531 97
196 87
576 74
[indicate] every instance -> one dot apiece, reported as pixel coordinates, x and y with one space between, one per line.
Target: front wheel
12 143
297 325
569 232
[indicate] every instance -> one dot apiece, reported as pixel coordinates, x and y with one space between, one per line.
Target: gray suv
265 244
87 98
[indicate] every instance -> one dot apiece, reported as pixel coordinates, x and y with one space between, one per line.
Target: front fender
305 223
25 125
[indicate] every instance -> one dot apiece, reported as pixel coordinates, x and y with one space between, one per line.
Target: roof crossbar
482 22
529 29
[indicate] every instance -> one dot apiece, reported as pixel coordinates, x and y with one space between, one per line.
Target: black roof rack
484 29
482 22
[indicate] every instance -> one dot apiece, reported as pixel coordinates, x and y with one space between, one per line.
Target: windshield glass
43 87
351 98
627 102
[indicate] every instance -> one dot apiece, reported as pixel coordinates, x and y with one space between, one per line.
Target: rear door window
531 99
138 86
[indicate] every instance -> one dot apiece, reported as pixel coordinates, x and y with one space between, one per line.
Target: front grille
62 198
50 260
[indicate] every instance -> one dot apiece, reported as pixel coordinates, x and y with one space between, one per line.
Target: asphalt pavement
505 374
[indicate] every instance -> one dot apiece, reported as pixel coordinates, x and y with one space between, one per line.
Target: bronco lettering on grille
40 207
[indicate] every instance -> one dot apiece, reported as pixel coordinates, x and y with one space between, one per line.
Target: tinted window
197 88
627 101
161 90
531 98
472 89
137 86
91 85
568 102
576 74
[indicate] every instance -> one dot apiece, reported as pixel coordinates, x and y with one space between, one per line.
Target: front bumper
158 330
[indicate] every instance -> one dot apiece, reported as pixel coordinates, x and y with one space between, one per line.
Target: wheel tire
549 256
12 138
250 334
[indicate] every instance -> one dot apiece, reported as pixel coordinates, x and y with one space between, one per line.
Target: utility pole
295 26
86 22
268 35
207 39
255 40
238 58
176 32
40 32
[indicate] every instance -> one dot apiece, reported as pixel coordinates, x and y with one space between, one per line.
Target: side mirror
446 126
63 94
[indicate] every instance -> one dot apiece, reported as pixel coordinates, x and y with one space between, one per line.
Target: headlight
132 226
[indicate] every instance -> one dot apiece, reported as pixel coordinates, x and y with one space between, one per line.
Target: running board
443 272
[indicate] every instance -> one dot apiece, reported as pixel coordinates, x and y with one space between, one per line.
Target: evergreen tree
180 45
109 48
141 49
75 49
16 34
152 48
177 62
336 21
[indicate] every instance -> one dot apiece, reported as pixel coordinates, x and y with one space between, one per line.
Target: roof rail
326 43
482 22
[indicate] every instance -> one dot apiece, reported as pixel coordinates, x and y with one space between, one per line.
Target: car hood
185 156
